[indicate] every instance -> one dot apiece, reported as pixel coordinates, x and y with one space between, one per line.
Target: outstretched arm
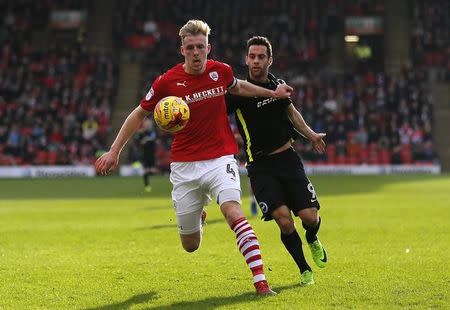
247 89
300 124
109 161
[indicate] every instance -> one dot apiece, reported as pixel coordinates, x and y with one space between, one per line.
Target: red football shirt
207 135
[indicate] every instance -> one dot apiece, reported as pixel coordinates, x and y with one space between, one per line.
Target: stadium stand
56 103
430 47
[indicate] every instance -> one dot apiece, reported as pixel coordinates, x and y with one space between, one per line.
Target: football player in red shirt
203 165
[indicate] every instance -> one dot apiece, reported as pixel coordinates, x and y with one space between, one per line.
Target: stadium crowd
55 104
300 29
430 41
373 118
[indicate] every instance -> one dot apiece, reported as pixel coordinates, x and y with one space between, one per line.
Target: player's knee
190 243
191 246
286 225
232 211
190 249
309 216
282 216
310 221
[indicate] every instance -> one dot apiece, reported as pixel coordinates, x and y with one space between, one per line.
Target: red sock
249 247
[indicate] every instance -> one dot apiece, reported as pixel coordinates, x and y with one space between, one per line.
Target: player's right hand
318 143
106 163
283 91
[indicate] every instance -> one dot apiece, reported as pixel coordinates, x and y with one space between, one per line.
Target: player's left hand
283 91
318 143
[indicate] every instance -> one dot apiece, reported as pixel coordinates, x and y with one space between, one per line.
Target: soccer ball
171 114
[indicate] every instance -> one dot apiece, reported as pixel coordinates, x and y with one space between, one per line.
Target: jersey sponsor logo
202 95
214 76
181 84
264 102
149 94
264 207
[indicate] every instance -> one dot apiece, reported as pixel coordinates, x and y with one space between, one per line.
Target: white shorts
195 182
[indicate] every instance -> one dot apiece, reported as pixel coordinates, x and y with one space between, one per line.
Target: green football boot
307 278
318 253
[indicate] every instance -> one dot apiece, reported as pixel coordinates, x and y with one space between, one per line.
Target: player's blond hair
194 27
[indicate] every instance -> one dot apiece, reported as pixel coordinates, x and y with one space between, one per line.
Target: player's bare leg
191 242
282 215
247 243
292 242
309 216
311 222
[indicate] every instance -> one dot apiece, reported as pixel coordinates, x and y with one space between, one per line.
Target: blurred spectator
89 127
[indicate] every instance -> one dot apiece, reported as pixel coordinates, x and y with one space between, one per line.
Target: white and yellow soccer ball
171 114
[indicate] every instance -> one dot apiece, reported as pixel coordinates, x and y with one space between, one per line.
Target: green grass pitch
103 243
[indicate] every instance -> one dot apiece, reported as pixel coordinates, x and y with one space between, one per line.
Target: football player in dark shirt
147 139
276 171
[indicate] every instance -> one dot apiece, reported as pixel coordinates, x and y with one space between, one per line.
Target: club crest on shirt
149 94
214 75
264 207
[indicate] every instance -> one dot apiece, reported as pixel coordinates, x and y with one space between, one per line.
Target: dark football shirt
262 122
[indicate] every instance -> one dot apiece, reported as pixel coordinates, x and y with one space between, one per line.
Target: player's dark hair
258 40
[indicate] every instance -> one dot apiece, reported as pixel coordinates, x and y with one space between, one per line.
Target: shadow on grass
135 300
162 226
215 302
207 303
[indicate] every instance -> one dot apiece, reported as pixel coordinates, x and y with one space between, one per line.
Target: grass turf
105 244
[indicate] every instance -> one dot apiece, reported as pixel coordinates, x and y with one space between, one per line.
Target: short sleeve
287 101
153 95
